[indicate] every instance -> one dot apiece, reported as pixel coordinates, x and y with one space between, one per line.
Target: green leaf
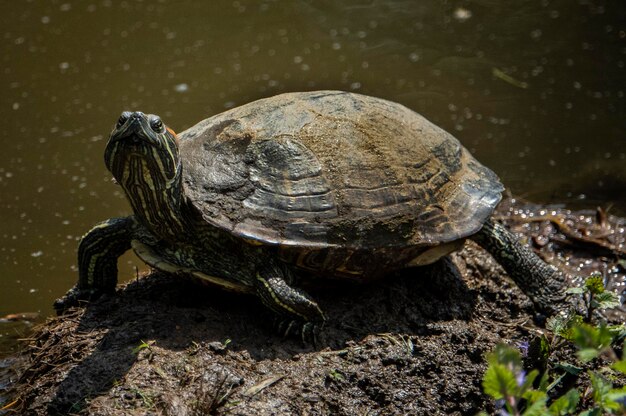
618 332
576 290
557 324
591 412
601 388
566 404
555 382
570 368
140 347
587 354
528 381
620 366
595 284
616 400
532 396
499 381
587 337
503 354
605 300
336 375
543 382
562 325
536 408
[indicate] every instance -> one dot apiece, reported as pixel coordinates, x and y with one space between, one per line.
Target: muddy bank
410 344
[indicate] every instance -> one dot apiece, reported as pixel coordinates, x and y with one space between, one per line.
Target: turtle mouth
135 133
134 140
132 144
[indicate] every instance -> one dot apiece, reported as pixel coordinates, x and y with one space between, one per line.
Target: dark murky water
534 88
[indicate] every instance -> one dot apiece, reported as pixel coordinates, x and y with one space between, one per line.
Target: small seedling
595 296
142 346
510 385
145 398
336 375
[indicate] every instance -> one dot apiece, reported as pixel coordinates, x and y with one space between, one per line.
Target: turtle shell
334 169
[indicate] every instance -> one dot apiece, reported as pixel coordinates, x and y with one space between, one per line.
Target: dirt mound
410 344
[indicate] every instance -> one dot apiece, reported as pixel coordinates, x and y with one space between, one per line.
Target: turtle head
143 156
143 151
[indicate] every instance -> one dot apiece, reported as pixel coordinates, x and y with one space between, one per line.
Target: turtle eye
123 119
156 124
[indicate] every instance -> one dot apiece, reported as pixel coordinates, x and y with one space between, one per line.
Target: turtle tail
543 283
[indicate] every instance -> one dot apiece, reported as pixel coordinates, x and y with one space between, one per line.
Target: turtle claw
75 297
307 331
310 332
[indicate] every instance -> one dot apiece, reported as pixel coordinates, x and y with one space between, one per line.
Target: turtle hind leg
544 284
98 252
297 312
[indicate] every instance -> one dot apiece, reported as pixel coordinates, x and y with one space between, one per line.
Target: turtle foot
75 297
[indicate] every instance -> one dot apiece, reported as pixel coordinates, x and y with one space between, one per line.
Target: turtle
285 190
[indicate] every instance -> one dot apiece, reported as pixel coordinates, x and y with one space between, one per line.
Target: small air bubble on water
461 14
183 87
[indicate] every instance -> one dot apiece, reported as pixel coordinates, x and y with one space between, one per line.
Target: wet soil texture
413 343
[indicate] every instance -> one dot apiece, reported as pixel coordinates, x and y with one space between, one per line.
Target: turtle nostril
123 118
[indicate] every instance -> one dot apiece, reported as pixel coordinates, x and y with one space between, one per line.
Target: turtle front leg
98 252
297 310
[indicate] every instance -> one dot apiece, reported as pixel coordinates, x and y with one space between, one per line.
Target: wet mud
413 343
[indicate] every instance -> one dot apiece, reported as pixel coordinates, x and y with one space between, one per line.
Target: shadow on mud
175 314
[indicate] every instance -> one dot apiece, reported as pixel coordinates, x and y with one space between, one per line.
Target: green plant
535 392
508 383
336 375
595 296
142 346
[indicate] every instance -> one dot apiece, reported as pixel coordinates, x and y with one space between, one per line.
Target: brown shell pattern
334 169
